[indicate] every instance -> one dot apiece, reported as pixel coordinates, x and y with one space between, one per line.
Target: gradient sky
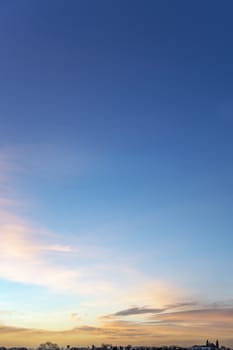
116 172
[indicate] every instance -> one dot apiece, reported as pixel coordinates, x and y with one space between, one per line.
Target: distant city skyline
53 346
116 172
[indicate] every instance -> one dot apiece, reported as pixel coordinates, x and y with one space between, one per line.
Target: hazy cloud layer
184 327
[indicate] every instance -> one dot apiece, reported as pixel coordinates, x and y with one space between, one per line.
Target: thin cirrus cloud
27 250
137 311
26 258
166 310
208 316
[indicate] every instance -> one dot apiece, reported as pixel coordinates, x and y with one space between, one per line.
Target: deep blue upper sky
124 75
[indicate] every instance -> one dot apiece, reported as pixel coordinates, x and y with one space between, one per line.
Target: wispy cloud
207 316
27 250
137 311
26 258
182 305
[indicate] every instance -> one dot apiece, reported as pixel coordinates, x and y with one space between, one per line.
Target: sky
116 172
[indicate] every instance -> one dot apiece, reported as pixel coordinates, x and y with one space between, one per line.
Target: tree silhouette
48 346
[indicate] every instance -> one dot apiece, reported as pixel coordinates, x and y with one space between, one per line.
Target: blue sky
116 170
